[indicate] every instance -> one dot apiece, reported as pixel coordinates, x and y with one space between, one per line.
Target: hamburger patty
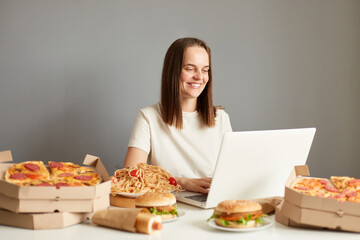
240 214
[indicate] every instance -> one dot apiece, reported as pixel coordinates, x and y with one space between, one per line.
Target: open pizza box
42 220
301 210
50 199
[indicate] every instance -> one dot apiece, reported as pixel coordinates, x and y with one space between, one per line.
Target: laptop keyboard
199 198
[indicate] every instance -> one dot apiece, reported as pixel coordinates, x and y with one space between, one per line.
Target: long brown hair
171 109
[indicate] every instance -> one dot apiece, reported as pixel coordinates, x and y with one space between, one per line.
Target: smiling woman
183 132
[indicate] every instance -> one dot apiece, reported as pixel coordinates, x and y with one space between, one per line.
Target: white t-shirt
190 152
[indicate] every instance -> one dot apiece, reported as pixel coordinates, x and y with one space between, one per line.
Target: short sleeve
140 135
226 123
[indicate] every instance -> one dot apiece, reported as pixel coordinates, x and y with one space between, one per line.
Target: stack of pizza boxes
300 210
50 207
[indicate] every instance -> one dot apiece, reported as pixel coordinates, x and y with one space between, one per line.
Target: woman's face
194 74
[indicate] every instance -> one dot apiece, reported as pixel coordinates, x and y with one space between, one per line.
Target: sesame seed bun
154 199
237 206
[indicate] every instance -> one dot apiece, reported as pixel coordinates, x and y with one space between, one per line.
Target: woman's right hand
201 185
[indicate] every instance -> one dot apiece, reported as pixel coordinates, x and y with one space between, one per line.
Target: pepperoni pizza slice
26 173
340 182
349 187
343 183
317 187
35 173
70 174
63 169
82 179
354 185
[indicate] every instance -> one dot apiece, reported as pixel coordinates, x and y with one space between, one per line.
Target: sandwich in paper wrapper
128 219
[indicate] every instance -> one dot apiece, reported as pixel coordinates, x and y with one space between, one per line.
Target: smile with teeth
195 85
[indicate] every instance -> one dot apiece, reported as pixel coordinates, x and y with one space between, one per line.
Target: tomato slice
173 181
33 176
134 173
256 216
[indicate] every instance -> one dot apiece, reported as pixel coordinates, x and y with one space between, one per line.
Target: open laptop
253 164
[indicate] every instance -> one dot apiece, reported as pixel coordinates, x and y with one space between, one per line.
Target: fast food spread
238 214
35 173
141 179
154 204
338 187
163 204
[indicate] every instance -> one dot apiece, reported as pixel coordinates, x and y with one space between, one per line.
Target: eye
189 69
205 70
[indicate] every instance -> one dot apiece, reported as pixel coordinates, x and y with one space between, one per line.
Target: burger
238 214
163 204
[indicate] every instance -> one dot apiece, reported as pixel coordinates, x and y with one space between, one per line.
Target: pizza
343 183
340 188
26 172
63 169
73 174
317 187
35 173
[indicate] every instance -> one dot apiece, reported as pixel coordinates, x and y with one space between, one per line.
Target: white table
192 226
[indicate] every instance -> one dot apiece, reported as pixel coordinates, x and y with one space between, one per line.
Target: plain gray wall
73 74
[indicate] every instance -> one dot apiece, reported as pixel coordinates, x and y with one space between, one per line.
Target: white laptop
253 164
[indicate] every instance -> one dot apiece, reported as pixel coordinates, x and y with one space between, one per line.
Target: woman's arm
134 156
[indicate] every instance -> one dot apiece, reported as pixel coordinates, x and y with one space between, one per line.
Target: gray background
73 74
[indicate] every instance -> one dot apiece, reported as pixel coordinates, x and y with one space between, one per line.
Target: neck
188 105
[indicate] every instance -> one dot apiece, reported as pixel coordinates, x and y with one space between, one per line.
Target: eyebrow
193 65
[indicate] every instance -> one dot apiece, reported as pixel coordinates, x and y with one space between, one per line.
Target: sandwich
163 204
238 214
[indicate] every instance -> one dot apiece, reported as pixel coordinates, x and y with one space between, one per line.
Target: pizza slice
317 187
40 183
353 185
353 196
349 188
63 169
340 183
84 179
26 173
70 174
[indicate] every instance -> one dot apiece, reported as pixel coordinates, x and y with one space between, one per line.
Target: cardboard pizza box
53 205
52 199
42 220
288 222
310 211
22 192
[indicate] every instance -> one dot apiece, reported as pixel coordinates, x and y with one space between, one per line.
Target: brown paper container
269 204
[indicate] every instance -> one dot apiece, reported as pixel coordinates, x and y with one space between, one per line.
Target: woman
183 132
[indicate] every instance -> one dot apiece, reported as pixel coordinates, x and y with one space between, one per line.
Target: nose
198 75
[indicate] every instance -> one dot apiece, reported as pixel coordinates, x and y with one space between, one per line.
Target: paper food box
302 210
25 199
42 220
288 222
